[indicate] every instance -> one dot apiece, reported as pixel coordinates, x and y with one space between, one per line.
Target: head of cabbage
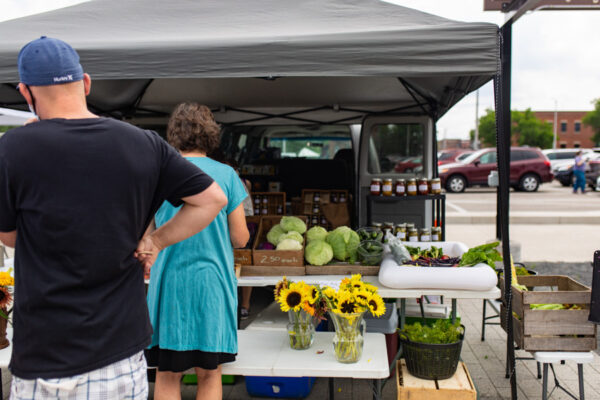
316 233
274 235
292 235
318 252
293 224
289 244
344 242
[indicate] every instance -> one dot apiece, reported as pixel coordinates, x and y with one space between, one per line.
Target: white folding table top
260 349
580 357
6 352
261 281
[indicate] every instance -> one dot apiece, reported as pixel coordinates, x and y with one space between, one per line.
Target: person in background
579 173
77 192
192 295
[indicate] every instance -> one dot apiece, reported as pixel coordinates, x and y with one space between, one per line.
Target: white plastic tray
479 277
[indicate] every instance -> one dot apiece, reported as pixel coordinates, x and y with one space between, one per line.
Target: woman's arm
238 230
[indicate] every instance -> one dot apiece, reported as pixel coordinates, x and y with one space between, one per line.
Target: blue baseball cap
47 61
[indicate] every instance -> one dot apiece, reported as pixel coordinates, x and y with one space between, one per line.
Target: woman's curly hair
192 127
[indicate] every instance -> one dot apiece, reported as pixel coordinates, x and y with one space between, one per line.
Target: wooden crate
307 201
274 199
551 330
342 269
458 387
276 258
244 256
272 270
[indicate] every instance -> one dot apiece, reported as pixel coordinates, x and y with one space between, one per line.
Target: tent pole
503 139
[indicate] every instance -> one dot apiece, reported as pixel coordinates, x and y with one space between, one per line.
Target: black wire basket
431 361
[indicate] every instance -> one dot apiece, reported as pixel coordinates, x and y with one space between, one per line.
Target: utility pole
476 141
555 124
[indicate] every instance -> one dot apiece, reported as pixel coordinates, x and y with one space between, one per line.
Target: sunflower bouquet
347 306
304 304
6 284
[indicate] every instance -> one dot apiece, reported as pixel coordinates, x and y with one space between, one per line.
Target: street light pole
555 125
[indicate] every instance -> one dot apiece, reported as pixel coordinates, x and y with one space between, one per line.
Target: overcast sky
555 56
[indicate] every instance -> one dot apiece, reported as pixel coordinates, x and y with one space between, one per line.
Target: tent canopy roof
346 57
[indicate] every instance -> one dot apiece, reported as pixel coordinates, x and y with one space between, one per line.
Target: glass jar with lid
413 235
323 221
388 227
409 226
377 226
436 234
279 209
436 186
375 187
316 209
411 187
316 197
257 201
314 221
425 235
400 188
387 188
264 210
400 231
342 198
423 187
265 200
334 197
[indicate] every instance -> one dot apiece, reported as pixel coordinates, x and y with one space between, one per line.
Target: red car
452 155
528 168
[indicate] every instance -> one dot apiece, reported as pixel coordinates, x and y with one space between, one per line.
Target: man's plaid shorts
125 379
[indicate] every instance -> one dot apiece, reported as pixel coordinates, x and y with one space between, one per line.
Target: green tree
592 119
4 128
526 128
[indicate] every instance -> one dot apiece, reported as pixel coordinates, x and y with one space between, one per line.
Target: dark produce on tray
443 261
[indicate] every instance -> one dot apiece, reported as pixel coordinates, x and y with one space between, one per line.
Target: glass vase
301 330
349 336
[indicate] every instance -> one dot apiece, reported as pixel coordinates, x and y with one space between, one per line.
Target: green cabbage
293 224
289 244
344 242
274 235
318 252
316 233
292 235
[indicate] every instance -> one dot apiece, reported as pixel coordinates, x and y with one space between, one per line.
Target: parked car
559 156
563 172
529 168
592 174
408 165
452 155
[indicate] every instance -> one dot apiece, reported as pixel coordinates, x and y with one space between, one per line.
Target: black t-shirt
80 194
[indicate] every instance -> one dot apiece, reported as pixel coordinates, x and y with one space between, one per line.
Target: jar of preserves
257 210
316 209
413 235
388 227
323 221
264 210
411 187
265 200
257 201
375 187
436 234
279 209
387 188
314 221
400 231
400 189
423 187
334 197
342 198
425 235
377 226
436 186
316 197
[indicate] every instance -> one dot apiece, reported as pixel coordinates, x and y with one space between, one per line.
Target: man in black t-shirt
77 193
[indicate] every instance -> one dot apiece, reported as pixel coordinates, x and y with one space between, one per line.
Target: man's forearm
9 239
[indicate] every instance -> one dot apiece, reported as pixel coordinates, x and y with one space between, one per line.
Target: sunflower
376 305
329 293
346 303
5 297
308 308
6 279
362 297
370 288
292 298
312 293
282 284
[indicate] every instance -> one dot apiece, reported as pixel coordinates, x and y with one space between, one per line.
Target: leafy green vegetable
292 235
316 233
344 242
318 252
274 234
432 252
293 224
486 254
442 331
289 244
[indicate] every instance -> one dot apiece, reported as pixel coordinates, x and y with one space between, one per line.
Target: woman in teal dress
192 295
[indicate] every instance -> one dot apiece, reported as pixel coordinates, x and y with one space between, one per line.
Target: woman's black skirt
179 361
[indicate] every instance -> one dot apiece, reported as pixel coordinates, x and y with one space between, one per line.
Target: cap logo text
65 78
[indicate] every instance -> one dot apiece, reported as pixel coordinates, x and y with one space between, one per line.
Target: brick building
571 131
